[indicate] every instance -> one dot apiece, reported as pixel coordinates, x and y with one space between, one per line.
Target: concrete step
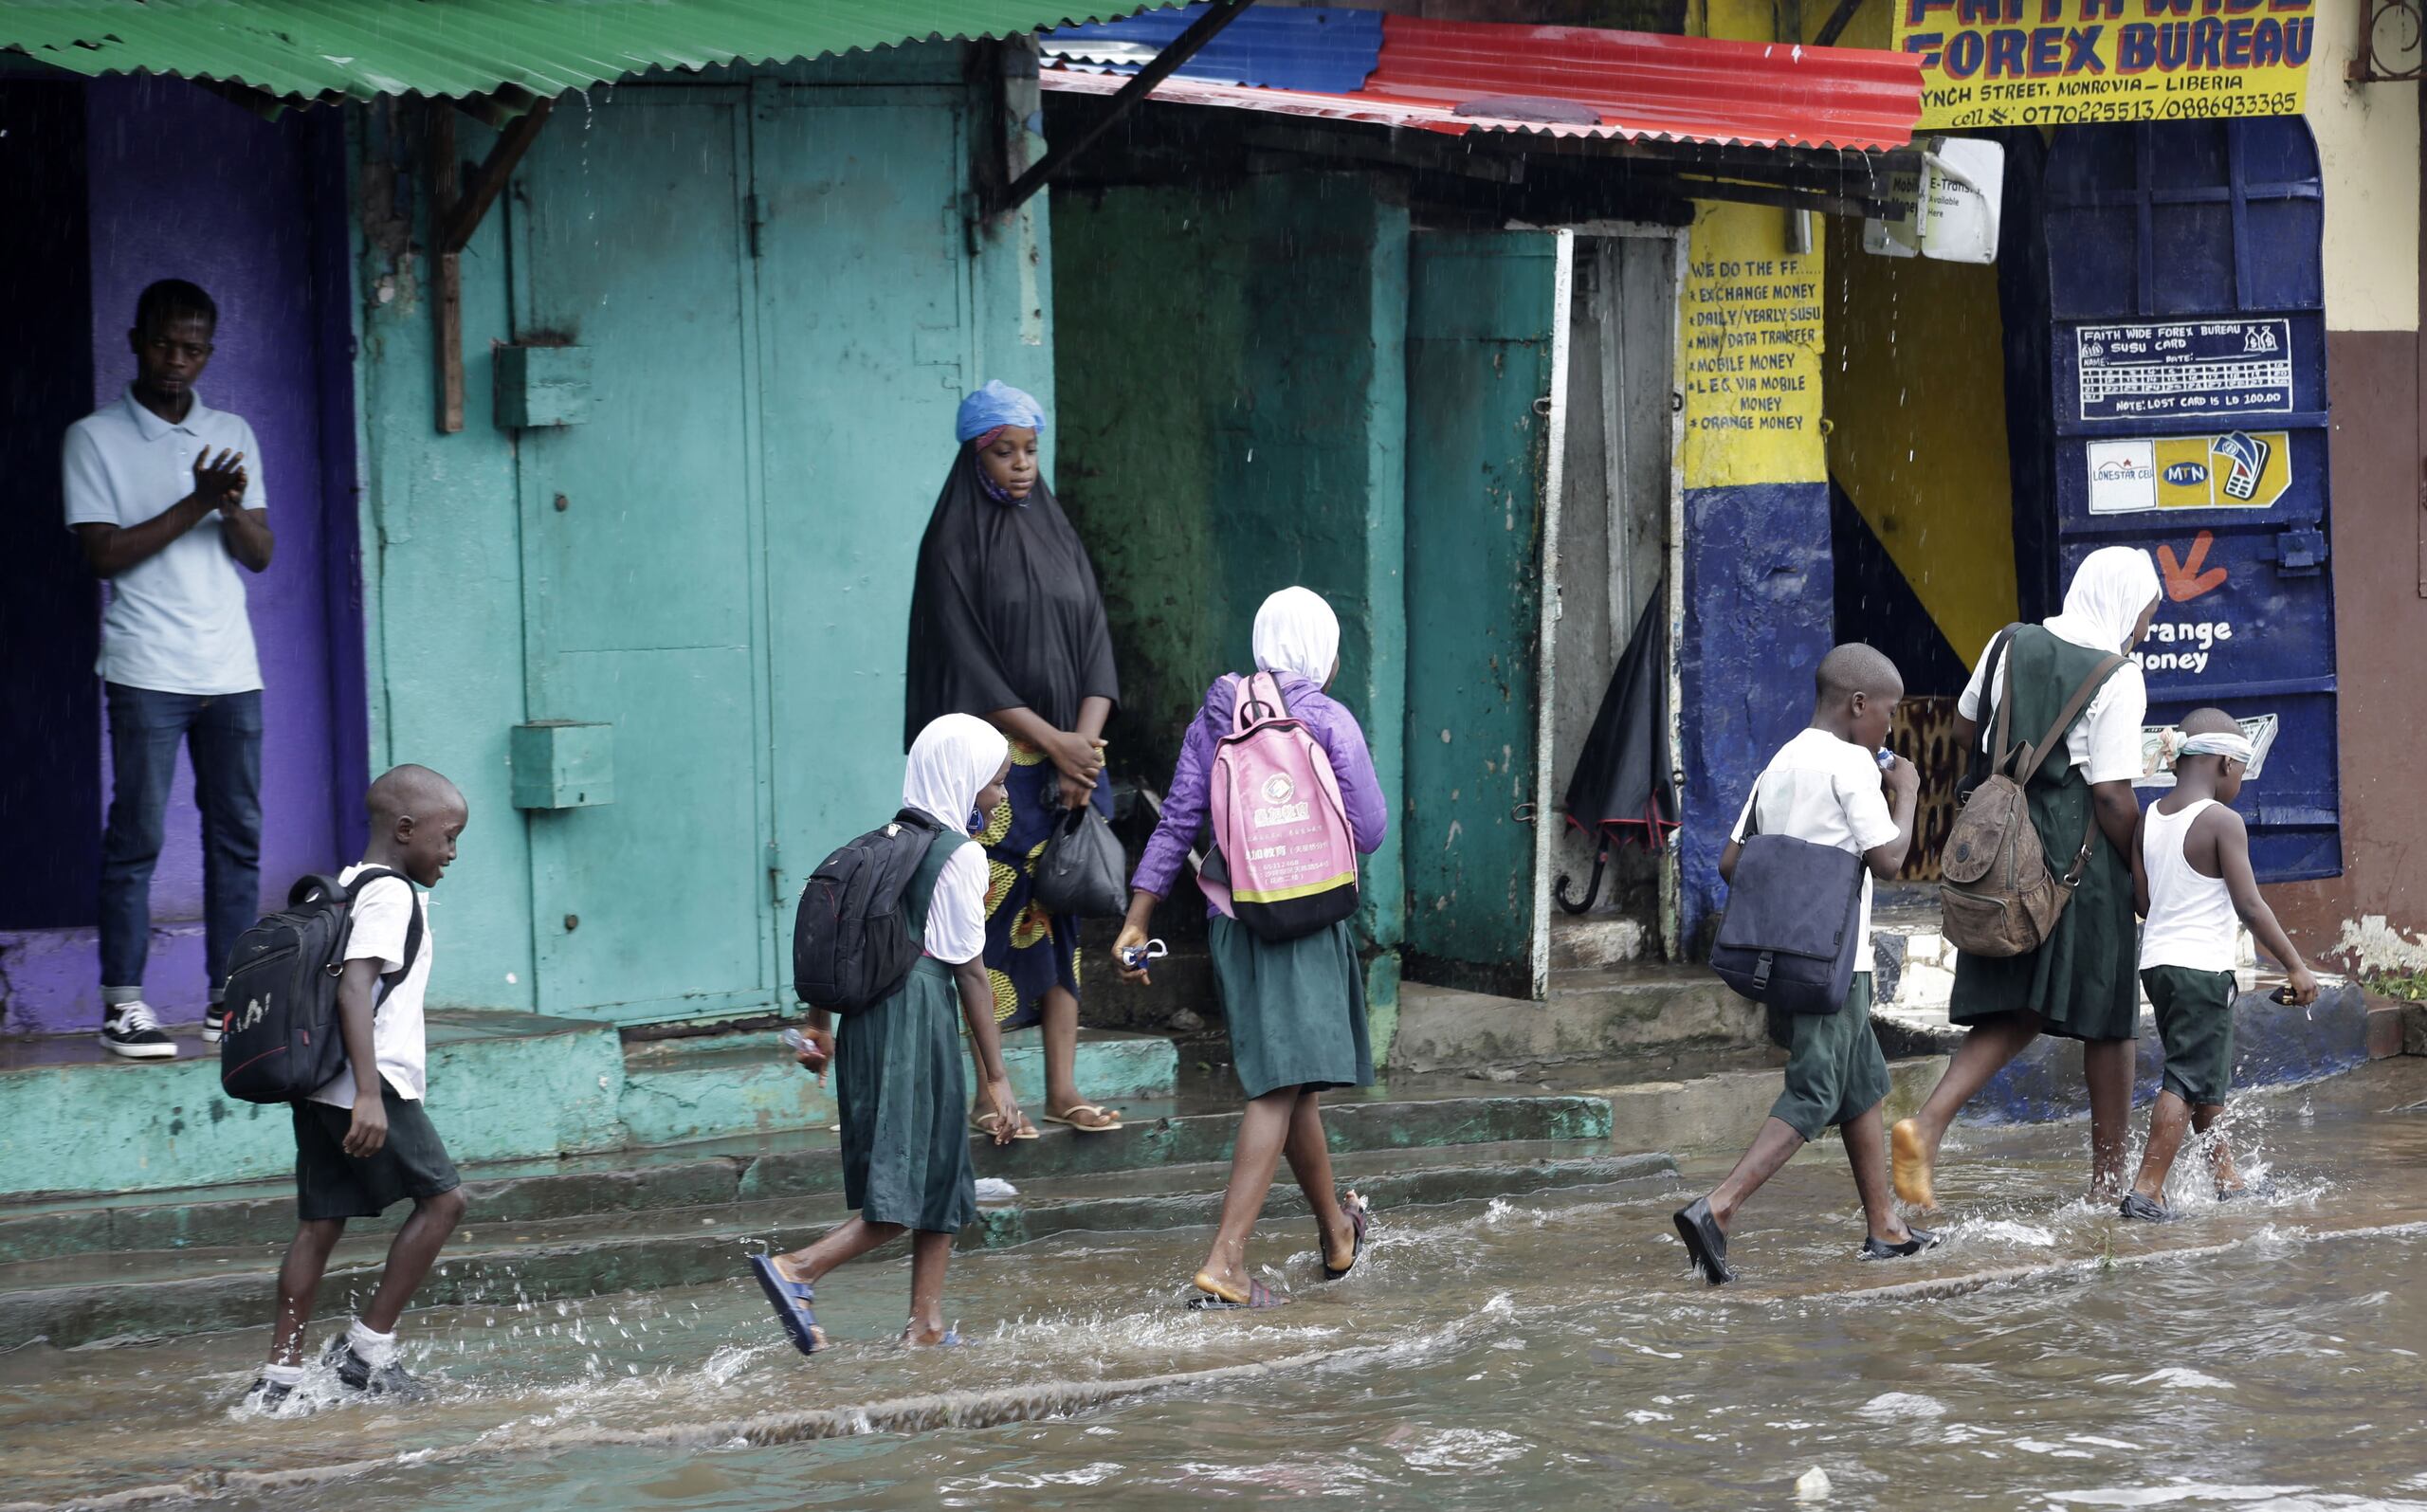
135 1295
1913 966
503 1088
677 1091
1600 939
2274 1045
1590 1014
799 1163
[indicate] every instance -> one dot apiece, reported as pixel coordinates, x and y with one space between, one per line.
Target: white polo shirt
176 621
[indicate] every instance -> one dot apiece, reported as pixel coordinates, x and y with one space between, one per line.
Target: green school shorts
2196 1026
330 1183
1834 1071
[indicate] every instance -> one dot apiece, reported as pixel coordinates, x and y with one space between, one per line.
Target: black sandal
1704 1241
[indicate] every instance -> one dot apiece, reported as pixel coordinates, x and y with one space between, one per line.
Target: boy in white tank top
2191 879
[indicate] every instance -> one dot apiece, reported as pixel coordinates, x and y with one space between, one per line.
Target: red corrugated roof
1637 84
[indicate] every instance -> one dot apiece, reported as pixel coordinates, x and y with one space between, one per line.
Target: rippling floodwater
1545 1351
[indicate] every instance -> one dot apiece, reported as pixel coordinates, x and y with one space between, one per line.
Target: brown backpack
1996 896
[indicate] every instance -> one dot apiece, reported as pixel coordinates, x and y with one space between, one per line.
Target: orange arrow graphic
2184 581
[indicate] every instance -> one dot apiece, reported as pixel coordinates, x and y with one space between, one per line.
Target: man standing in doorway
165 495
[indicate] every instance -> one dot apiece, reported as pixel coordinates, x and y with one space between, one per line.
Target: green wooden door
1486 367
866 354
638 537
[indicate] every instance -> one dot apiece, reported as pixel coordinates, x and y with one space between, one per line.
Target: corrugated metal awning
1458 76
302 51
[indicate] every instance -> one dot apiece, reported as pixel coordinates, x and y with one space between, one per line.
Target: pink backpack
1288 861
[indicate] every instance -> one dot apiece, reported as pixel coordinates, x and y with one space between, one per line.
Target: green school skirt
904 1101
1296 1009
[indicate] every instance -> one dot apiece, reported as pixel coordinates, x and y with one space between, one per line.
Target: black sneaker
266 1396
2136 1206
214 1022
1916 1240
358 1374
129 1029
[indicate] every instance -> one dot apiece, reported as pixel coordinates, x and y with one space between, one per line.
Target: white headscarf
1295 631
2104 603
952 758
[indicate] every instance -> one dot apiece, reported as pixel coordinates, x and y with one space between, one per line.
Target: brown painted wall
2381 634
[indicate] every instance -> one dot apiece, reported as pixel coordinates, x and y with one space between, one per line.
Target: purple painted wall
184 185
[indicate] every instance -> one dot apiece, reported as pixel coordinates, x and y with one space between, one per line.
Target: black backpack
282 1039
858 929
1793 924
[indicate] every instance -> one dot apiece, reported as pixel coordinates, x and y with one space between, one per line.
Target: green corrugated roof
301 50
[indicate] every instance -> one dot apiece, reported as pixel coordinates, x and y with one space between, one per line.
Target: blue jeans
224 734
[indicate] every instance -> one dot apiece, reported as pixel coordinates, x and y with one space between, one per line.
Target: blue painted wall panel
1760 615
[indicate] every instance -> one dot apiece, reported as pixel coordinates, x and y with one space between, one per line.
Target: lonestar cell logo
2124 469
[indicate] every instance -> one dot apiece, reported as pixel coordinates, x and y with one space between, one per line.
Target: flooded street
1539 1352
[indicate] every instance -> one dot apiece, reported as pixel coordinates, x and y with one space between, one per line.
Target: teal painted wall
441 562
865 314
1233 378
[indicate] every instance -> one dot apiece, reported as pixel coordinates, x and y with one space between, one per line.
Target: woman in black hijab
1007 622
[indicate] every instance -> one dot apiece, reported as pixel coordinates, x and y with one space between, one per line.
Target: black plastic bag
1083 870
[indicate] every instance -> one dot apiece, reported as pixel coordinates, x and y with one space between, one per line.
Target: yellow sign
2063 63
1752 318
2247 469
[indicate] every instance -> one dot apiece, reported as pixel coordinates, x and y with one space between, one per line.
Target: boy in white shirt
1826 785
2191 877
364 1142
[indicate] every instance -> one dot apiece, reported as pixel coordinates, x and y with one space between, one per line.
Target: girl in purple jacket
1296 1007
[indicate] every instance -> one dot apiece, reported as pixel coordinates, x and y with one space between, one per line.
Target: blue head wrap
994 407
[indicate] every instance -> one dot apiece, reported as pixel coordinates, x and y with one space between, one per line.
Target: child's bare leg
2168 1117
1771 1150
298 1283
1264 1127
2106 1066
1867 1152
1309 1158
1986 1048
409 1257
2221 1156
847 1240
930 1252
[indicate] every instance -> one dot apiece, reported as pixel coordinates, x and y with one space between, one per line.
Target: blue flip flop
791 1300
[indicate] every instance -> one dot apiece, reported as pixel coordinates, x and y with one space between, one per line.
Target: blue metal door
2189 351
